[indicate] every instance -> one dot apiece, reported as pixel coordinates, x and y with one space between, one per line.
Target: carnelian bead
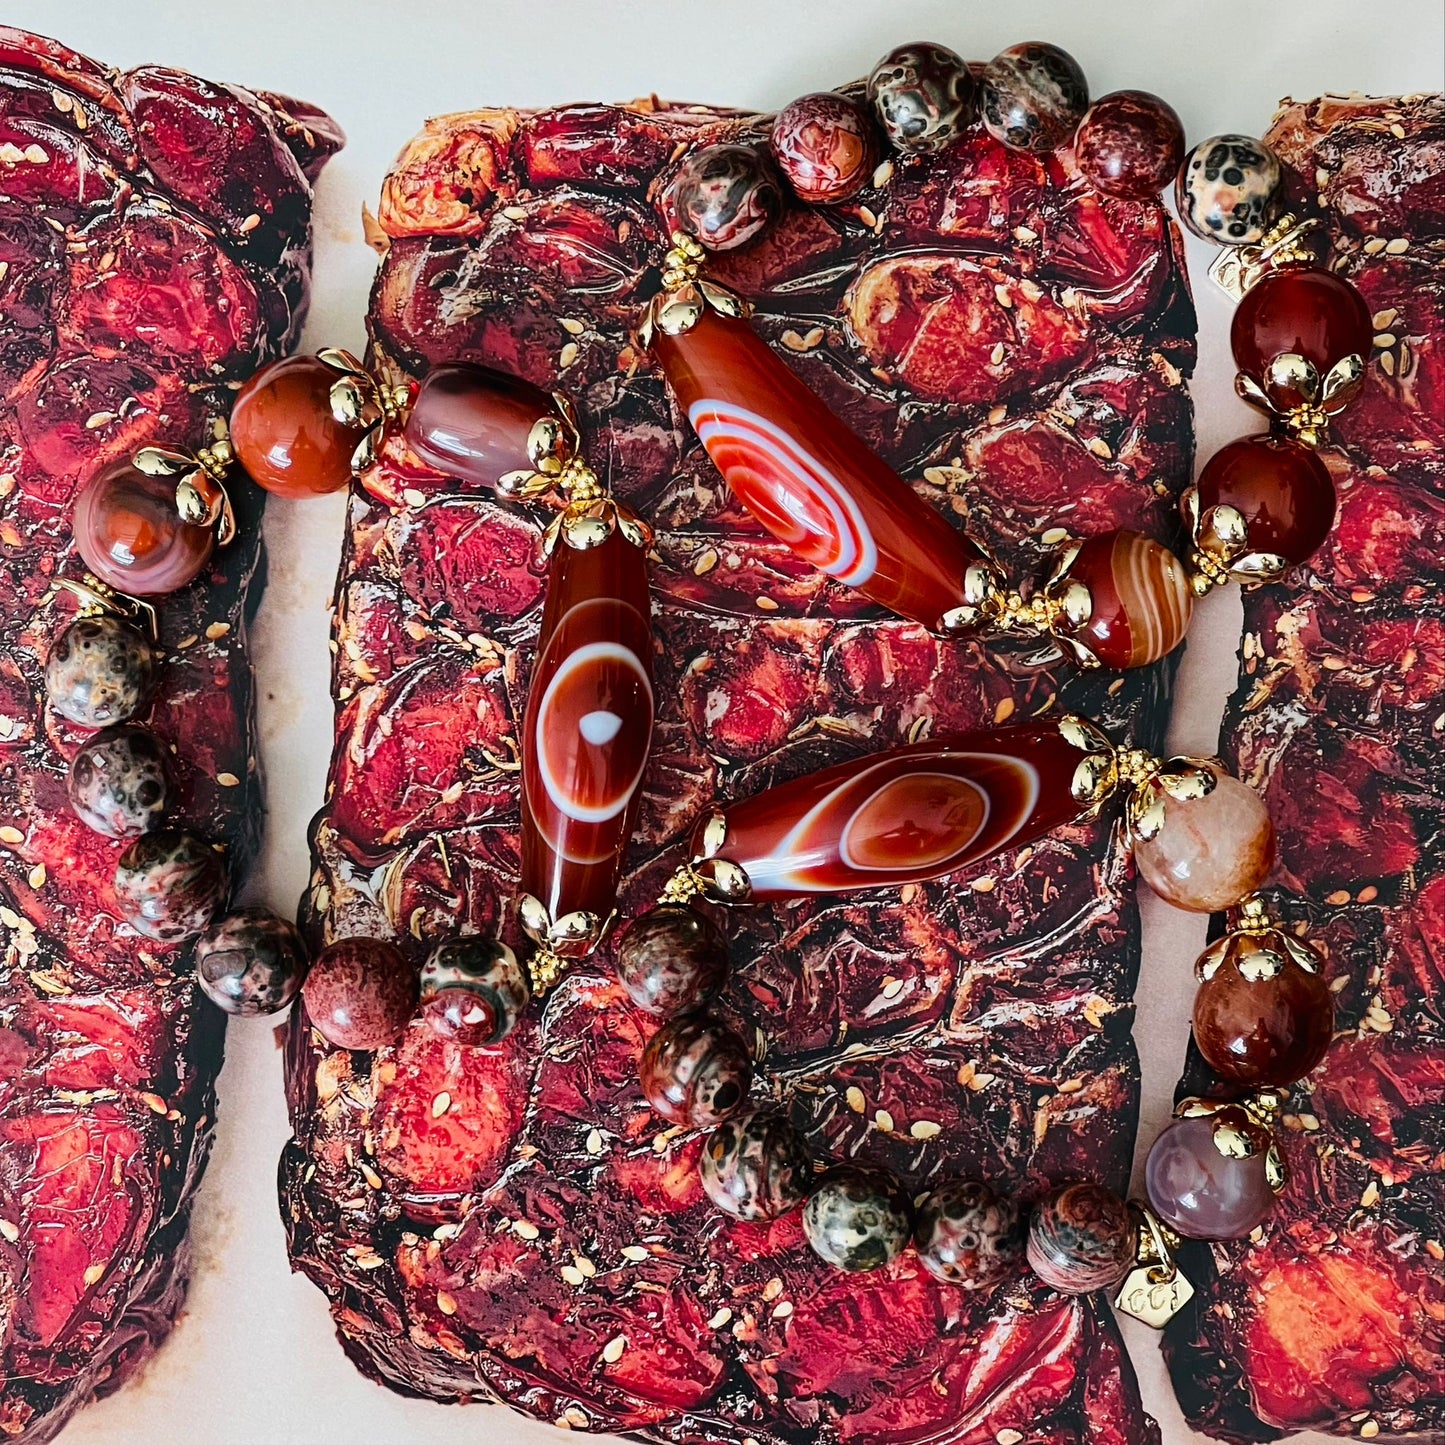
131 536
1280 487
1264 1014
284 433
1304 310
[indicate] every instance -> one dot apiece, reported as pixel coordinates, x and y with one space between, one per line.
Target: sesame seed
412 497
720 1318
594 1142
635 1252
571 327
612 1350
1003 296
9 1230
567 355
783 1309
571 1274
855 1099
441 1104
37 876
525 1229
94 1274
228 780
925 1129
884 1121
446 1303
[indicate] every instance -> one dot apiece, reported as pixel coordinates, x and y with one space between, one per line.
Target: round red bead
823 144
131 536
474 423
361 993
1282 490
1129 144
1302 310
1140 601
284 433
1261 1018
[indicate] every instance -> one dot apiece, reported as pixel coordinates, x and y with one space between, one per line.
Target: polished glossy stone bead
1203 1192
1280 487
967 1235
726 196
672 959
474 423
251 963
882 820
1301 310
857 1219
100 672
1140 599
756 1166
810 481
1211 851
1264 1014
473 990
130 535
120 782
1229 190
1081 1238
361 993
1033 96
170 885
823 144
923 95
284 433
696 1071
1129 144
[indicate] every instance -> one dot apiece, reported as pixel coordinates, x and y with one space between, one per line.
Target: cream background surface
253 1361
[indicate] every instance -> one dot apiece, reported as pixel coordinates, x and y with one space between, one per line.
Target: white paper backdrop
253 1361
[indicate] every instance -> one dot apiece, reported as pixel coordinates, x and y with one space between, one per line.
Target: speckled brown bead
361 993
756 1166
672 959
696 1071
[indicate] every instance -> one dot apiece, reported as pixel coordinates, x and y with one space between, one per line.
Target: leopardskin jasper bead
1033 96
923 95
672 959
756 1166
251 963
696 1071
1141 600
726 196
100 672
1081 1238
823 144
120 782
967 1235
1228 190
170 885
1211 851
857 1219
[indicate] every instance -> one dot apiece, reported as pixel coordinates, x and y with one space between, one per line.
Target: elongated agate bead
895 818
587 729
807 478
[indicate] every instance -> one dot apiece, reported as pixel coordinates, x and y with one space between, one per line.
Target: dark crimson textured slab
153 248
517 1225
1336 1319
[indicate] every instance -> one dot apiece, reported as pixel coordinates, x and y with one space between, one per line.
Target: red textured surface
995 1005
137 287
1336 1320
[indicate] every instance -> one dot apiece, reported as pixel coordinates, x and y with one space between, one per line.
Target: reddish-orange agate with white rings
807 478
588 726
899 817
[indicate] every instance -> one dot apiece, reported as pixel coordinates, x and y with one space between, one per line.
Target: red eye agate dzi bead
900 817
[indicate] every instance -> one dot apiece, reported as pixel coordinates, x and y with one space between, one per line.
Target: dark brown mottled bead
923 95
170 885
1129 144
1081 1238
696 1071
100 672
823 144
857 1219
967 1235
120 782
361 993
726 196
756 1166
473 990
1033 95
672 959
251 963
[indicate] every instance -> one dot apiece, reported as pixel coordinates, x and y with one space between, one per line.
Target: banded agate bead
1081 1238
1140 599
130 535
283 431
473 990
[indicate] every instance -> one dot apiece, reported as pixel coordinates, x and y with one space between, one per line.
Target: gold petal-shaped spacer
351 401
634 528
548 445
723 880
159 462
1342 382
586 528
1257 569
714 835
1275 1170
1248 388
1290 372
678 312
339 360
535 920
368 449
723 301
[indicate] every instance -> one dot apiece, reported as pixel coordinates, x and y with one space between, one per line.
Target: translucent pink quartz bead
1211 851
